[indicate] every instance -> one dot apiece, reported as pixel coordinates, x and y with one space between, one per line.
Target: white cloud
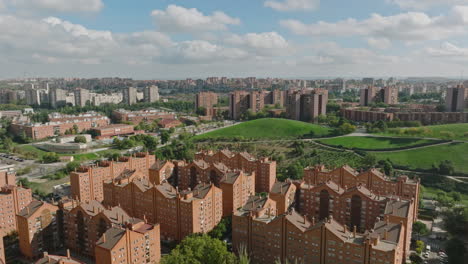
425 4
448 50
180 19
200 51
379 43
66 6
261 44
292 5
411 26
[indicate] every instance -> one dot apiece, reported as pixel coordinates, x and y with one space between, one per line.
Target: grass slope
459 130
375 142
424 157
268 128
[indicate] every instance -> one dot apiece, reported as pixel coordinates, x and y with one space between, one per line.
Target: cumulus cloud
425 4
74 6
379 43
411 26
262 44
448 50
180 19
292 5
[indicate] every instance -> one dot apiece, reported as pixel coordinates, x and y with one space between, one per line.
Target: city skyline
264 38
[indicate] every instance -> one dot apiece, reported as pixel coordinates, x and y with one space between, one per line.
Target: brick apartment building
242 101
180 213
2 248
292 237
37 229
114 130
56 259
329 203
264 168
161 171
109 235
373 180
135 117
456 99
372 94
13 199
426 118
58 125
284 194
306 104
206 100
87 181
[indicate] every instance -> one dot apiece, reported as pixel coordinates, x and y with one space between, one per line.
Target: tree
200 249
222 229
7 144
387 167
369 160
345 128
446 167
71 166
75 129
420 228
50 157
80 139
419 247
165 136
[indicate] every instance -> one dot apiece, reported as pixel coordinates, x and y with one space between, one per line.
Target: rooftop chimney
68 254
385 234
104 238
354 231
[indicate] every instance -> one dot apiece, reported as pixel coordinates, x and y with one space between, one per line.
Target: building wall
87 182
38 232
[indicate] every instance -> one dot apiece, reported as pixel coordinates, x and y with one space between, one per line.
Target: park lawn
460 131
375 142
431 193
423 158
268 128
78 157
46 186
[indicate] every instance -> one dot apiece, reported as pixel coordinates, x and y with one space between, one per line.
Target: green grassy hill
460 131
376 143
424 157
268 128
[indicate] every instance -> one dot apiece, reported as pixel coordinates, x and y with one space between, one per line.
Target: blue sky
178 39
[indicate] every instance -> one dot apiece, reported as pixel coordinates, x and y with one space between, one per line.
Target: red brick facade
265 169
40 131
86 182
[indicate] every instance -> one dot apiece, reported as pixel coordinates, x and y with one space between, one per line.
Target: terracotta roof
247 156
298 221
142 184
398 208
92 208
31 208
201 164
110 238
220 166
366 192
201 190
281 187
53 259
167 190
158 164
231 177
332 186
255 203
126 174
393 231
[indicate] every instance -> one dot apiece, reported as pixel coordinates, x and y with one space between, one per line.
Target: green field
460 131
431 193
423 158
78 157
268 128
375 143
